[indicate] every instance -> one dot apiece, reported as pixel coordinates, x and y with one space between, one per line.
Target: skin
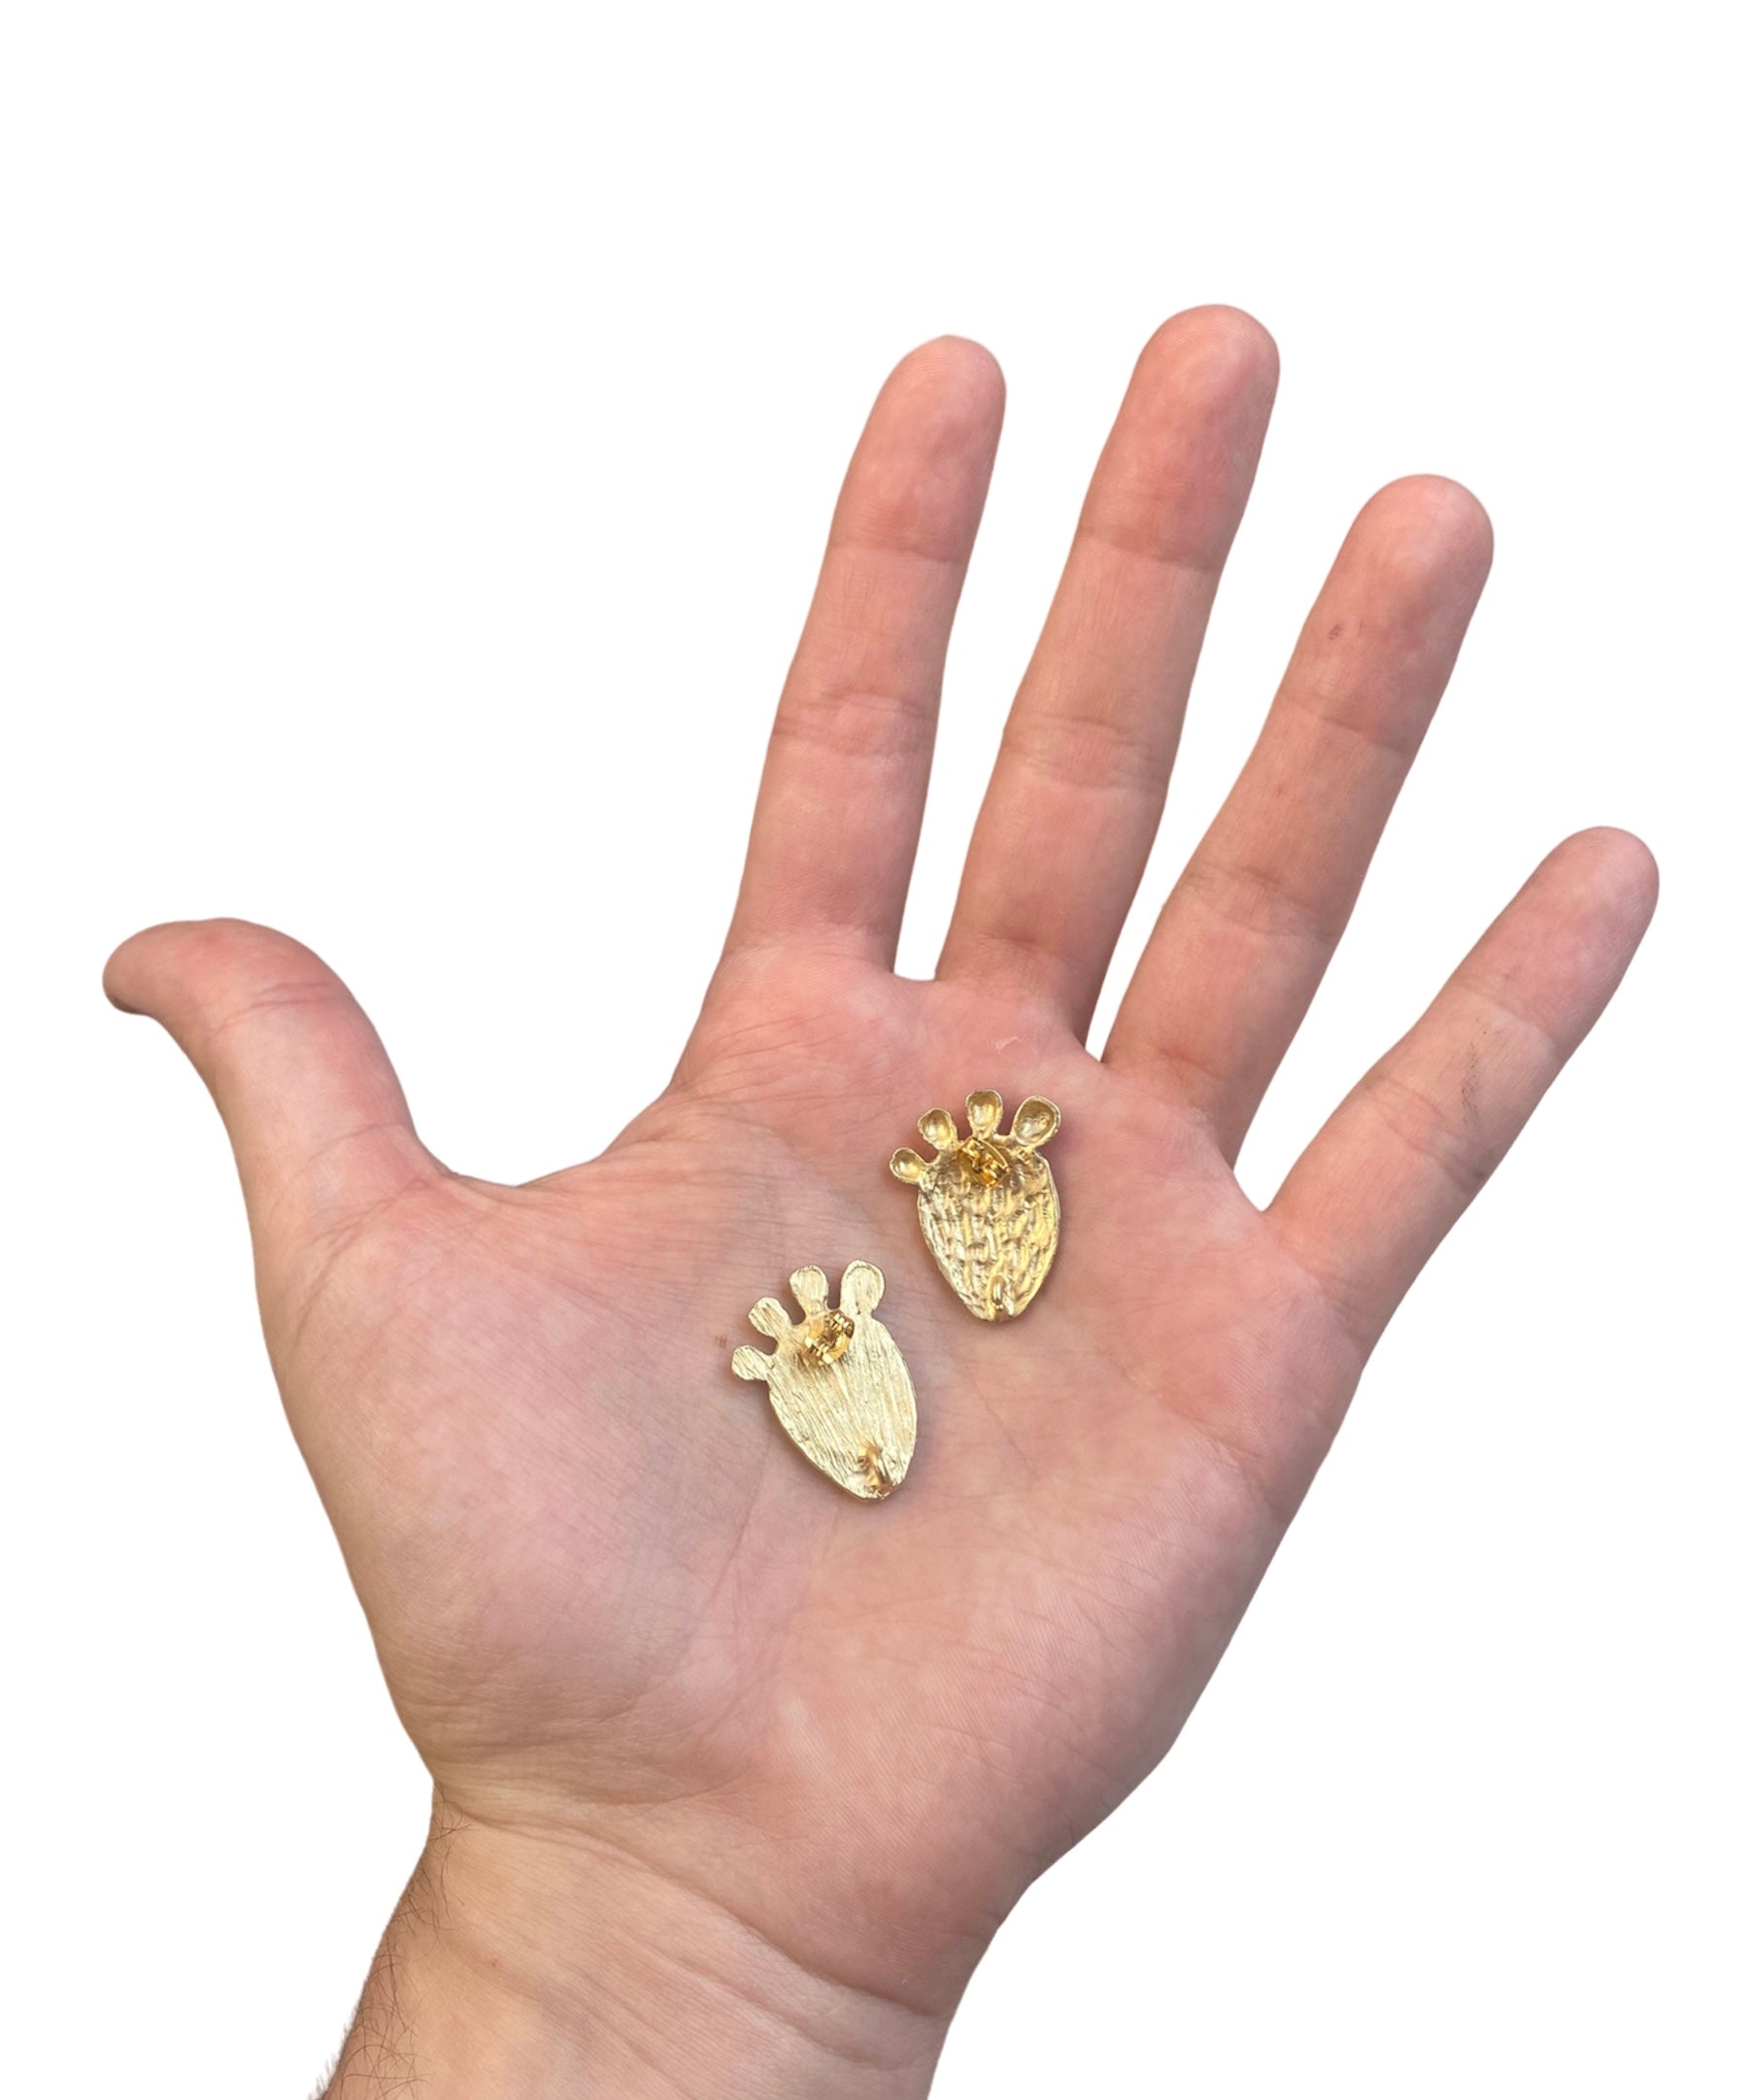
735 1777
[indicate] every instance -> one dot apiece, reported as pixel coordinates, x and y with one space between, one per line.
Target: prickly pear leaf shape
992 1242
838 1413
838 1385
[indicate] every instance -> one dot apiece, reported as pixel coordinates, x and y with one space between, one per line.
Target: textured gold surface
837 1382
987 1203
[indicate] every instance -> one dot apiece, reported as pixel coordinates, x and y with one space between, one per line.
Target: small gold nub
829 1337
874 1464
988 1162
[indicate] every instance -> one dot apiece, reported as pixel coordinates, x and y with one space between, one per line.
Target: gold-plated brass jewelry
838 1385
987 1202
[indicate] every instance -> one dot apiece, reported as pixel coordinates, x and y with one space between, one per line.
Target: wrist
516 1963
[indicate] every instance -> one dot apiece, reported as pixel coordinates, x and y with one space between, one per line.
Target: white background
420 424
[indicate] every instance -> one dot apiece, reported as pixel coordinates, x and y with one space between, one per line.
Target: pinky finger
1411 1147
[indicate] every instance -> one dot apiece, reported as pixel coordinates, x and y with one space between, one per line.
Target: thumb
316 1116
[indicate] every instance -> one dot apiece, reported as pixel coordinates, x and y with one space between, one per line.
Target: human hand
735 1777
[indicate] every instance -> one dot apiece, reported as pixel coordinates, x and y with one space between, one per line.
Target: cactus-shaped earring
838 1385
987 1201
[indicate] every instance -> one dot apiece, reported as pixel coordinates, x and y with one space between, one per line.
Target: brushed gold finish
987 1202
838 1385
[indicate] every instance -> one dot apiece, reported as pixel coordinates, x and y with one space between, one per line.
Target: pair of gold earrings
988 1210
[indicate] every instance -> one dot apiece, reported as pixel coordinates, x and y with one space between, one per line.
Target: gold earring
837 1382
987 1203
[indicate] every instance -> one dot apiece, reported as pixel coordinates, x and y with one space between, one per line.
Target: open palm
650 1654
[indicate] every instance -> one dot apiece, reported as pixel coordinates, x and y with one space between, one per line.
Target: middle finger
1078 787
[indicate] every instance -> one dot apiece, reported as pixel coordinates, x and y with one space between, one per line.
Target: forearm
514 1966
